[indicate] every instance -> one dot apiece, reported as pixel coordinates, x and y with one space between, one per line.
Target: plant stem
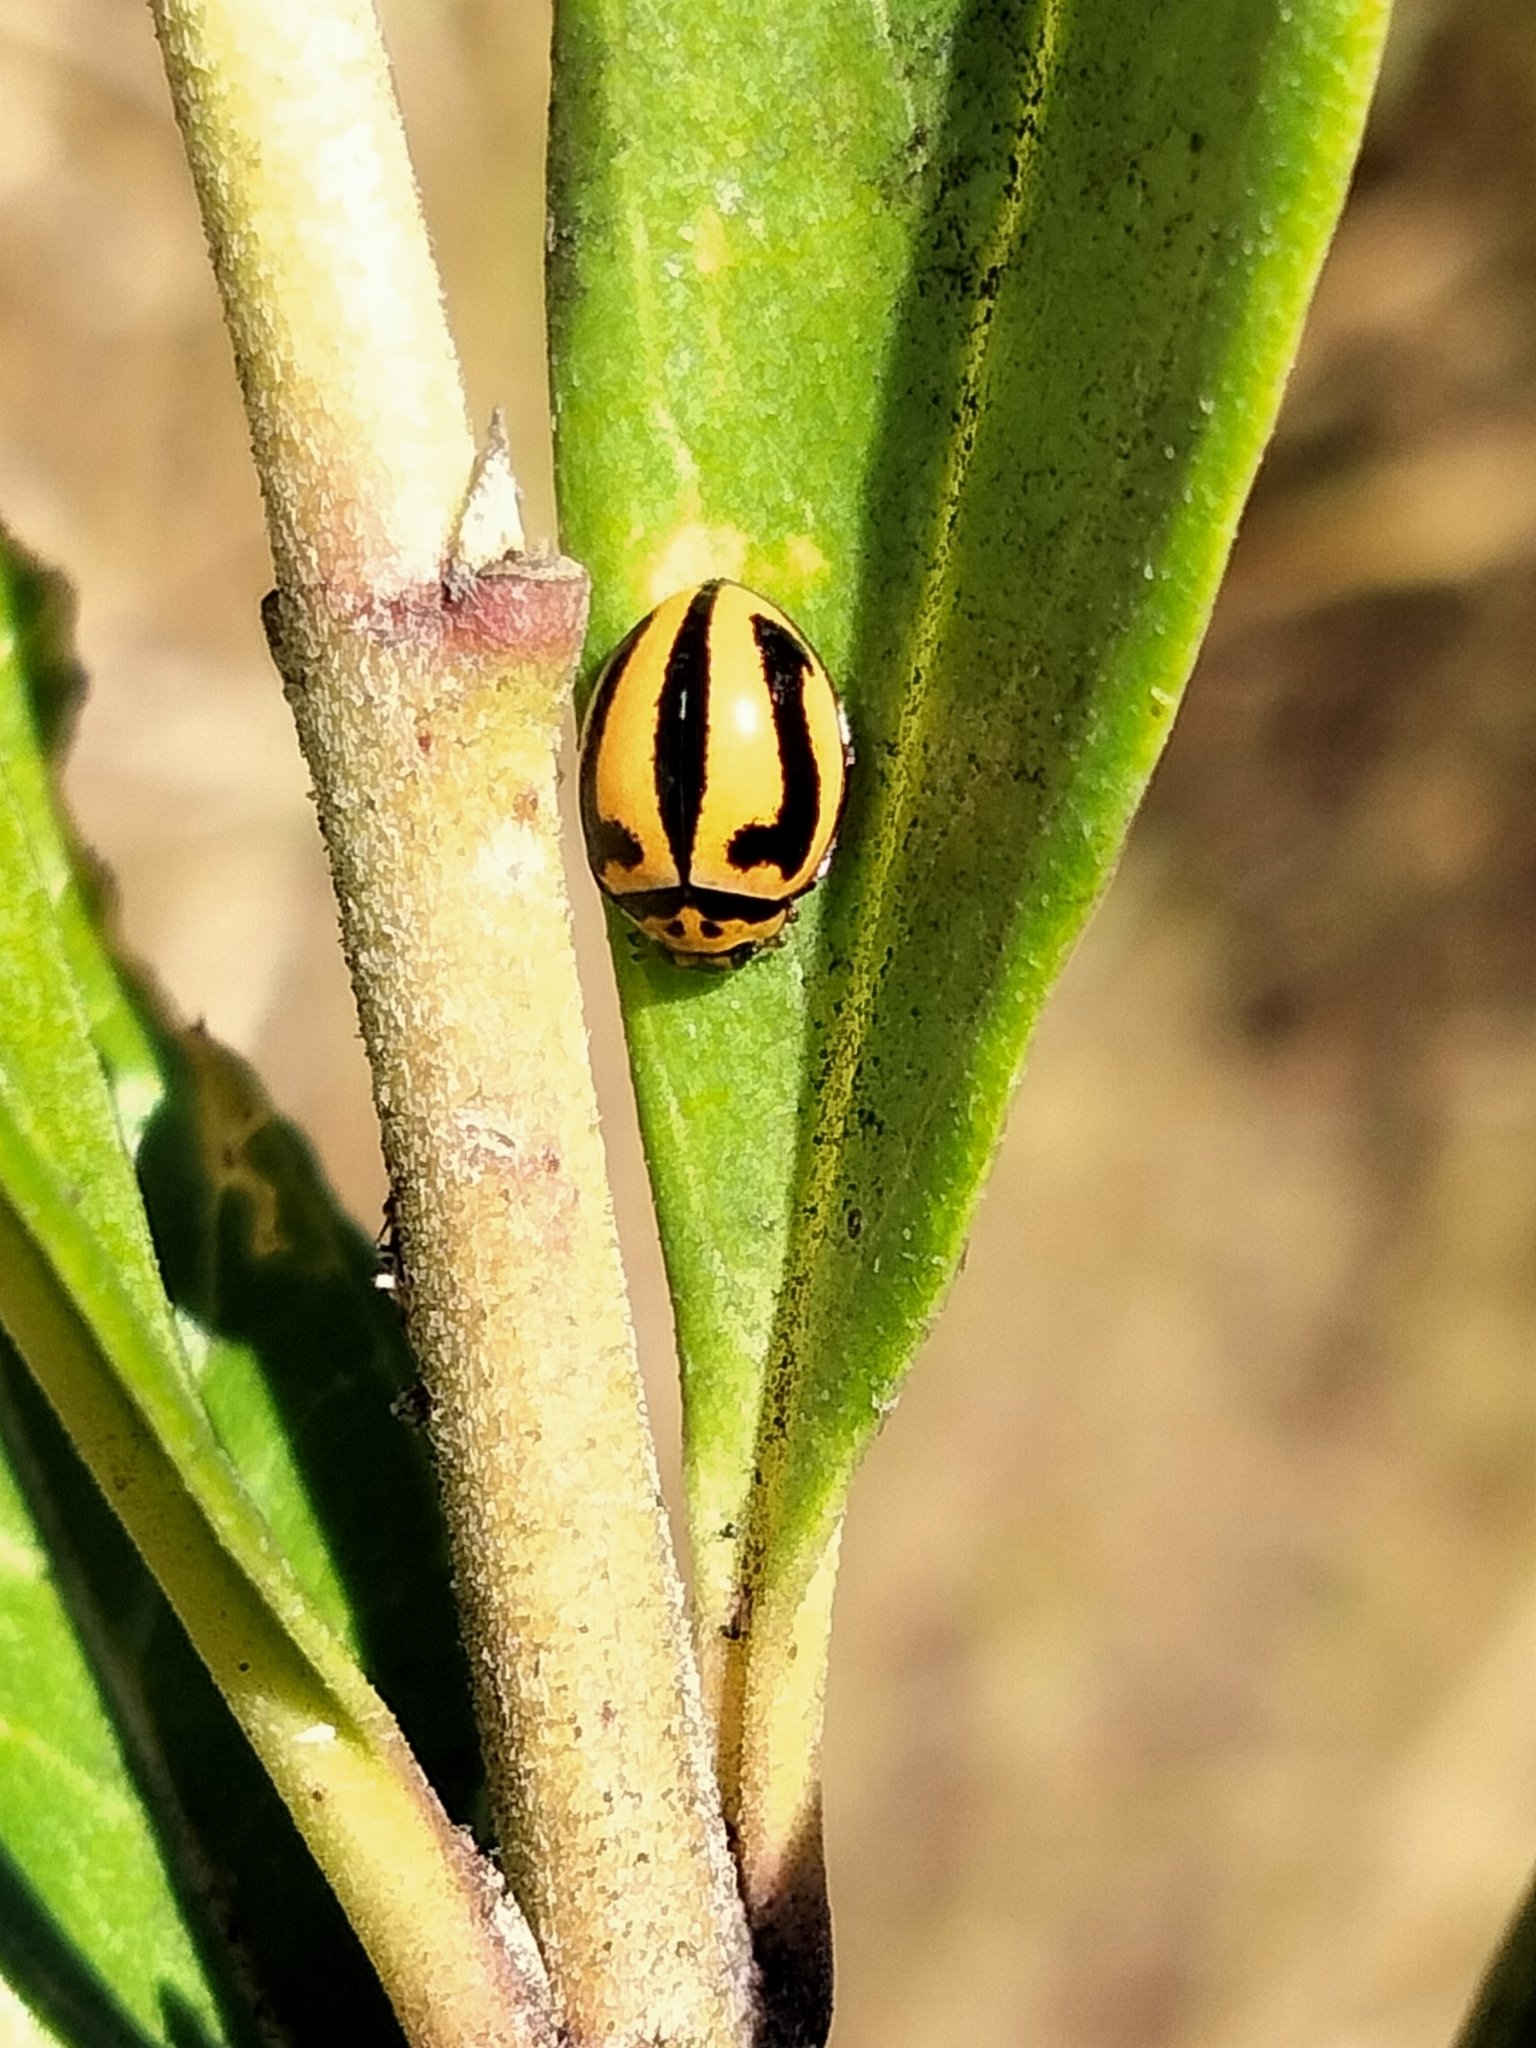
426 660
772 1686
457 926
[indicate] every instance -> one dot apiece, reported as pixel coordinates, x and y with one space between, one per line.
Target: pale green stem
426 662
352 388
769 1690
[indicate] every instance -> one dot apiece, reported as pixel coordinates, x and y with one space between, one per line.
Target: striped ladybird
713 767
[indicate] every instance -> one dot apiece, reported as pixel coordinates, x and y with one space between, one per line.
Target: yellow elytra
714 762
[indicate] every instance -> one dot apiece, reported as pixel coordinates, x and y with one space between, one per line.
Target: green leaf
153 1845
282 1342
732 218
960 330
93 1936
41 689
297 1356
958 326
68 1180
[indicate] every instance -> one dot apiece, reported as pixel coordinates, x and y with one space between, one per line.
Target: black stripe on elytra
607 840
682 730
787 841
718 904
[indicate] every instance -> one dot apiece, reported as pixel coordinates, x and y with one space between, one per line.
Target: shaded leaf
84 1932
94 1937
289 1350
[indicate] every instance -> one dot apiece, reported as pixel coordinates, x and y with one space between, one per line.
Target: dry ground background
1185 1679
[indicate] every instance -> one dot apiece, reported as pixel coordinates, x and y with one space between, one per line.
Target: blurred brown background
1185 1690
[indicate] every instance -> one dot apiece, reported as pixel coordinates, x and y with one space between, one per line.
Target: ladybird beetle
713 766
